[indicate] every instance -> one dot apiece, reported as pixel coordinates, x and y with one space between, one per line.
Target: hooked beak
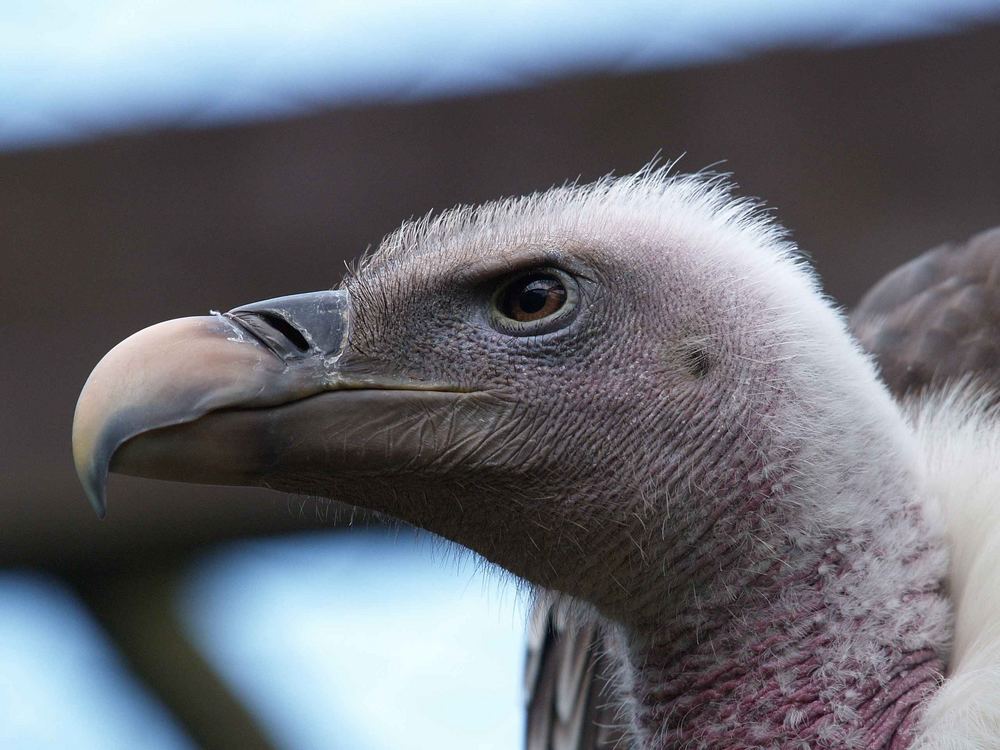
232 398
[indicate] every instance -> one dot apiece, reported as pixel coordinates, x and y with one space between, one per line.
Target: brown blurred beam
870 154
137 610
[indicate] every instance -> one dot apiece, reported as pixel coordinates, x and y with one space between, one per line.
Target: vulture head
630 394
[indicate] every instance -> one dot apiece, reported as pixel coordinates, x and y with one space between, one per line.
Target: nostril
298 326
263 325
289 331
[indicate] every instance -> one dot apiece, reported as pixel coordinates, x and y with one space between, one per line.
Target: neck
835 645
800 600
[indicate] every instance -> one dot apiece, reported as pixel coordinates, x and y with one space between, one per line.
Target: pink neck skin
809 667
784 619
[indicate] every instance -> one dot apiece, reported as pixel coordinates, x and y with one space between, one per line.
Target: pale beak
237 368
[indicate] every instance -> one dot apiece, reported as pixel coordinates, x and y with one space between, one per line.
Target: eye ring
533 302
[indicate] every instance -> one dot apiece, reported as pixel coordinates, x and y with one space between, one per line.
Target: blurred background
160 159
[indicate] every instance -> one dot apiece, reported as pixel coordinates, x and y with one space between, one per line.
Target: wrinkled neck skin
805 611
804 662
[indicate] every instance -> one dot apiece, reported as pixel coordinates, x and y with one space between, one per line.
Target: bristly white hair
700 204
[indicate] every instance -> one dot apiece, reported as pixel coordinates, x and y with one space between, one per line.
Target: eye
532 297
534 302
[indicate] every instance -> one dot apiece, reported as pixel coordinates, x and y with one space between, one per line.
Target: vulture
633 396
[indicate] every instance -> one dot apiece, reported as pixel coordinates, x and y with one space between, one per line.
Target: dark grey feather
936 318
570 702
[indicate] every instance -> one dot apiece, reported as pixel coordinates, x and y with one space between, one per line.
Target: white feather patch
959 434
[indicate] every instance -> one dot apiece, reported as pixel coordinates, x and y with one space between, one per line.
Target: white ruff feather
960 438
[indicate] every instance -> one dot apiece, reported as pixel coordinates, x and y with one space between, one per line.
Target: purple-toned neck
790 596
811 666
784 700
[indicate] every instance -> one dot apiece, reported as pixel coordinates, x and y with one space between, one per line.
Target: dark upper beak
257 355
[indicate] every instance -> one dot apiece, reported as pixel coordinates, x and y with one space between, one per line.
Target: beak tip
95 486
92 461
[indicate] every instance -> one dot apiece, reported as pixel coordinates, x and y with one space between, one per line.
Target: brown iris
532 297
534 302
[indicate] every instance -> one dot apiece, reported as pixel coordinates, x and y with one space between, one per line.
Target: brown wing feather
937 317
570 703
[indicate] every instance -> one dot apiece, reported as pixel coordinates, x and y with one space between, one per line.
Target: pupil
534 295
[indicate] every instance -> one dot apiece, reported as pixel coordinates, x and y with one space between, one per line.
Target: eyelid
488 269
